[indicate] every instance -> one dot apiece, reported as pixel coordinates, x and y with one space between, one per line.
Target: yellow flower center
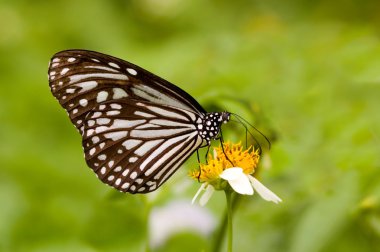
232 156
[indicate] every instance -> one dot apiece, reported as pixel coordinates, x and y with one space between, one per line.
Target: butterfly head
209 128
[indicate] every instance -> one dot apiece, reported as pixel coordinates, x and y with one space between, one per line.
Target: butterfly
137 129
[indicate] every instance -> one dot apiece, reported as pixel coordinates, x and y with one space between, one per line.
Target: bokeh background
307 73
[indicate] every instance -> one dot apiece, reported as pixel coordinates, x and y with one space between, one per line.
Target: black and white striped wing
81 80
135 146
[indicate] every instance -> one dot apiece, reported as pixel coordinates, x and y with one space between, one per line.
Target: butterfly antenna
256 143
244 123
247 131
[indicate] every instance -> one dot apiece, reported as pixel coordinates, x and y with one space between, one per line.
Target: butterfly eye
137 128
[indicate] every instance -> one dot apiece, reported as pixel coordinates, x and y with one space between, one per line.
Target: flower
183 218
231 167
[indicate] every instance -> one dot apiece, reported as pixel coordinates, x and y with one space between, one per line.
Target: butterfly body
137 128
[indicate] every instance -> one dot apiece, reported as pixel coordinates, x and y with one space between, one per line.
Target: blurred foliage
310 71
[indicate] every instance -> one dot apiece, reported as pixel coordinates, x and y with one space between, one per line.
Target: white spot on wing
92 151
90 132
103 170
102 157
119 93
103 68
132 71
102 96
87 85
70 90
102 121
96 114
115 106
64 71
118 181
125 172
79 77
101 129
113 112
143 114
133 175
125 185
112 64
116 135
131 143
119 123
153 187
71 59
83 102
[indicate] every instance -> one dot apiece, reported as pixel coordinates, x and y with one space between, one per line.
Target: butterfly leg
221 144
199 163
208 149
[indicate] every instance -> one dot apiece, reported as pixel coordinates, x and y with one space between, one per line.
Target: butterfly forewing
135 146
80 80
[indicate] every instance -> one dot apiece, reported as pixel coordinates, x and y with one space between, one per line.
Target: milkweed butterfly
137 128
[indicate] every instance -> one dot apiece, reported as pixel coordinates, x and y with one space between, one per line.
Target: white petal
232 173
241 185
264 192
207 195
238 180
198 192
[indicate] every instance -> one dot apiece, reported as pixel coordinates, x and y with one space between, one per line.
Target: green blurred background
310 68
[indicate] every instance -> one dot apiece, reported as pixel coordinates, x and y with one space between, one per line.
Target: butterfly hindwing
135 146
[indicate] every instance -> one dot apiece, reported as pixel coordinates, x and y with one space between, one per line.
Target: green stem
148 207
229 219
220 233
